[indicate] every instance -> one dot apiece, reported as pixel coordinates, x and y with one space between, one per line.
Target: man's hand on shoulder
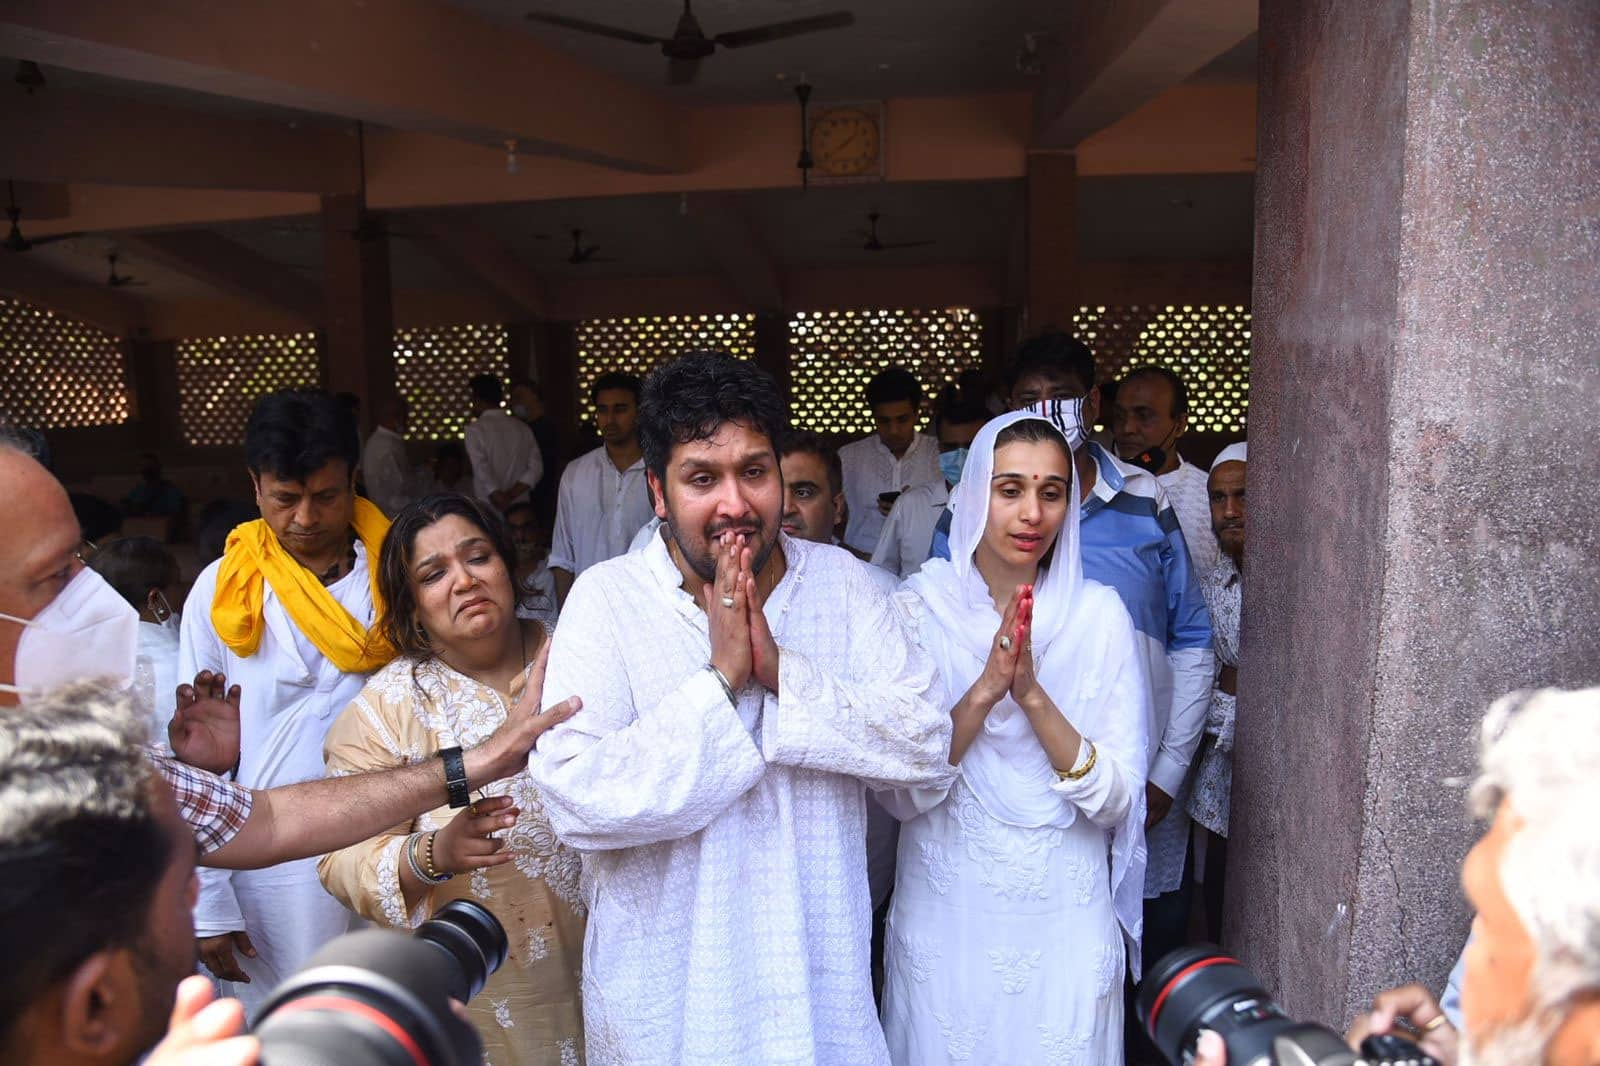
204 730
505 752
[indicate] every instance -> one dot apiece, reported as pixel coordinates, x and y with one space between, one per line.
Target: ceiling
895 47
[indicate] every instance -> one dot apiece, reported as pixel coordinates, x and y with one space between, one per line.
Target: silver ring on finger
1005 643
727 601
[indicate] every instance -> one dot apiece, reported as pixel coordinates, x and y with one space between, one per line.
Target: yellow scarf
254 556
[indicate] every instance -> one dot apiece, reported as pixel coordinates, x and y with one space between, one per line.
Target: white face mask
86 632
1066 415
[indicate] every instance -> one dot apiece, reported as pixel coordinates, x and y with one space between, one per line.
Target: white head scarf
1233 453
1006 768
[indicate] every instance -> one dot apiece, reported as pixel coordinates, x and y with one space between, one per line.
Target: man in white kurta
723 828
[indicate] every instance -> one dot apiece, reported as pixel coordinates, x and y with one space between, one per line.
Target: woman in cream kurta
529 1012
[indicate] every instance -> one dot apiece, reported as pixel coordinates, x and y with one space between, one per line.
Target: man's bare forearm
316 817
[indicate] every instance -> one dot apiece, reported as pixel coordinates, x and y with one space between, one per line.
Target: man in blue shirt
1131 541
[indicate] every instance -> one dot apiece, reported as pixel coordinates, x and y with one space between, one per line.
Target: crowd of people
912 751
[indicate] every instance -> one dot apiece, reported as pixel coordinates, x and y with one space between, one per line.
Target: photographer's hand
1429 1027
205 1031
1210 1050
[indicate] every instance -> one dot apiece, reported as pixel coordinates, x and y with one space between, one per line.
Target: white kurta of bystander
290 696
724 854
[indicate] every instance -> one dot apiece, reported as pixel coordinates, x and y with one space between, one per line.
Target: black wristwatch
455 777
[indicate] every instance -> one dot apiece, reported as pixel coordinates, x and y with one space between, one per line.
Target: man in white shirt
284 614
890 461
1148 416
740 690
603 502
903 544
385 468
505 458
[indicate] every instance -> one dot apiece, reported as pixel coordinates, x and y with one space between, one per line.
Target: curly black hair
691 397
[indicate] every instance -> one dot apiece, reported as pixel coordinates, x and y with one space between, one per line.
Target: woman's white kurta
1003 945
724 856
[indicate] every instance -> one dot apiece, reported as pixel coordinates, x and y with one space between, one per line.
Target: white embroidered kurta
1003 945
1209 799
387 471
528 1012
724 854
155 677
1191 502
870 468
502 452
290 695
599 510
907 535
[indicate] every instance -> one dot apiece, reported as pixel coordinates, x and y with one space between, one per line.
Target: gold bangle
1083 771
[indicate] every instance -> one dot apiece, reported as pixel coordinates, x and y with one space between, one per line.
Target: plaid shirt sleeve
214 809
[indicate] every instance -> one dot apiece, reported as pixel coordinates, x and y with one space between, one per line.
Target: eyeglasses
85 551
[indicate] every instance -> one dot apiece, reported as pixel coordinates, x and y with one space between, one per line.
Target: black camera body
381 998
1204 987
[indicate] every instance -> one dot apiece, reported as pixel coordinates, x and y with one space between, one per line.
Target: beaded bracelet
438 878
416 864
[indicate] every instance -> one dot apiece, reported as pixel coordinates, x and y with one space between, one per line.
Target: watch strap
455 777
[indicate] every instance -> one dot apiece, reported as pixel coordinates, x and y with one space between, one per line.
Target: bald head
38 546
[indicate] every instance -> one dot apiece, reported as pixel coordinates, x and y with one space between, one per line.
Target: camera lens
473 937
1204 987
379 998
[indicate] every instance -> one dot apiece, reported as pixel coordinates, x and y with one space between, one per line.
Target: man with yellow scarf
289 614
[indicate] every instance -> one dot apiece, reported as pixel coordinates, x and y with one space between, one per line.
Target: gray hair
81 840
1541 755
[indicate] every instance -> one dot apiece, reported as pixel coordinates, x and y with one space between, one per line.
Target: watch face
844 141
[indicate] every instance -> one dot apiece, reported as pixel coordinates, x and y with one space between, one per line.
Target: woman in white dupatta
1020 890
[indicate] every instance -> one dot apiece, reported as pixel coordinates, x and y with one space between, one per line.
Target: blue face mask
950 464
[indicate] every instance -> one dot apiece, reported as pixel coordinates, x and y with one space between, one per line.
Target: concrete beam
232 268
461 244
61 136
728 241
1117 55
408 64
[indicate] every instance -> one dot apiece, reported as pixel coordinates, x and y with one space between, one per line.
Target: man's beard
1520 1044
703 561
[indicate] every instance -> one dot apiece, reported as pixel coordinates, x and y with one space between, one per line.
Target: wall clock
846 142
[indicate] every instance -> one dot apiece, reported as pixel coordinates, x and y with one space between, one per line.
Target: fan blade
776 31
596 28
682 71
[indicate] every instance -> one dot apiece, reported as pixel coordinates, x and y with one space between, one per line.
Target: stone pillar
359 335
1422 476
153 376
555 360
1052 240
772 352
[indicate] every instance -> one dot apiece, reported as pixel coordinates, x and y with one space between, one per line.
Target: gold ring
1434 1024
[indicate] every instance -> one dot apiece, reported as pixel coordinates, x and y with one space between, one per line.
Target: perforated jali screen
58 372
433 366
635 345
219 379
833 354
1207 346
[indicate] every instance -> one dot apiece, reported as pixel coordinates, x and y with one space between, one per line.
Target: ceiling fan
689 44
582 253
873 244
15 241
115 280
